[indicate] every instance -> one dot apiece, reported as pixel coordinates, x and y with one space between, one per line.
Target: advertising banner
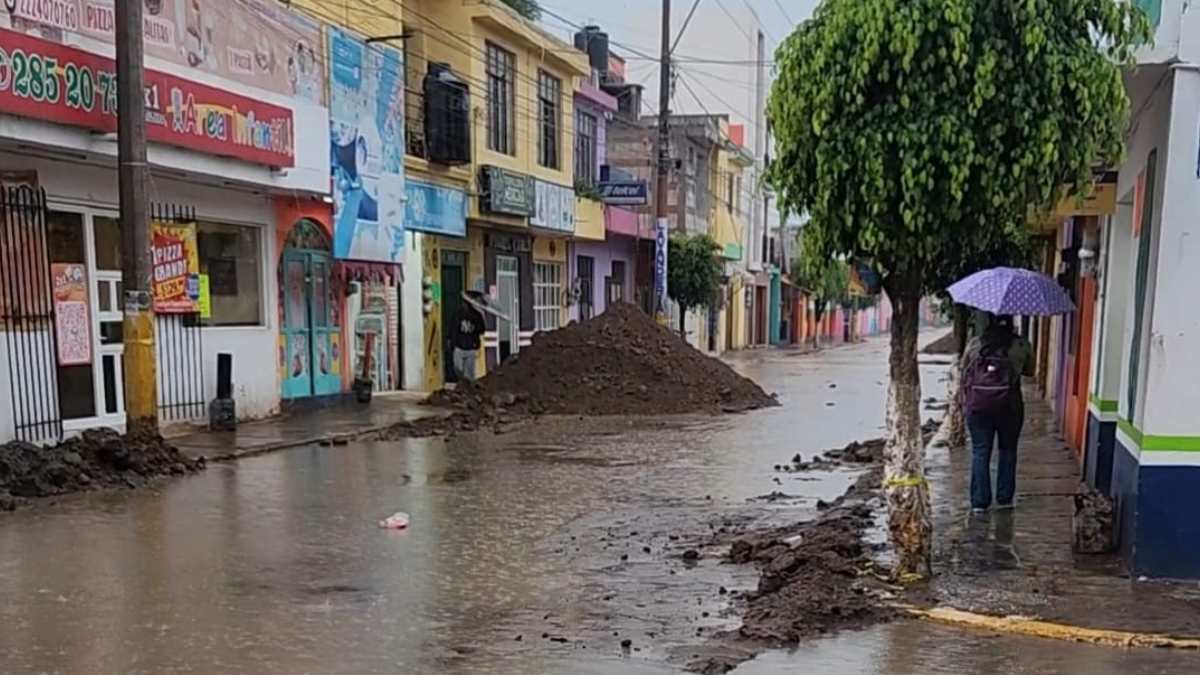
435 209
259 43
176 268
49 81
624 193
553 207
661 243
366 123
72 318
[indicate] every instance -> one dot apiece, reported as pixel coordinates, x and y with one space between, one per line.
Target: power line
683 28
784 12
733 20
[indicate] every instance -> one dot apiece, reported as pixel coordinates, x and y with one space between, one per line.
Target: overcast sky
720 30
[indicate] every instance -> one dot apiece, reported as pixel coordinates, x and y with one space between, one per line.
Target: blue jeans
986 429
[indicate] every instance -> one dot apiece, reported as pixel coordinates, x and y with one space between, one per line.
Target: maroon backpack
990 381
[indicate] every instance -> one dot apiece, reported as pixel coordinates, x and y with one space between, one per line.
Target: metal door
311 336
508 296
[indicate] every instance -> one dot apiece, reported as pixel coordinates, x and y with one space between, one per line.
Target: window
585 148
229 255
547 289
501 73
586 269
729 203
549 95
615 284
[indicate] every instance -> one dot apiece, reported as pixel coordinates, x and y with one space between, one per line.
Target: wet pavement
337 423
538 551
1020 561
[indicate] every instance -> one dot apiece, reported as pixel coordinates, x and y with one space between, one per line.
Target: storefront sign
554 207
660 262
176 268
435 209
625 193
366 123
52 82
507 192
72 318
253 42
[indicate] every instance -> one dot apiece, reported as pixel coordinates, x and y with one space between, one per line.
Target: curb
1022 625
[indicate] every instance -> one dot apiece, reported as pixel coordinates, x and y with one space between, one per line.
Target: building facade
226 172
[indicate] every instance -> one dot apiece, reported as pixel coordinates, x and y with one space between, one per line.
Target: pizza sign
176 269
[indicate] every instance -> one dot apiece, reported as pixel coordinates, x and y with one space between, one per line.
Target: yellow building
518 170
730 222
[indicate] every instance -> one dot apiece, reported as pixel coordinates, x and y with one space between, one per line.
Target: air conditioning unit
447 116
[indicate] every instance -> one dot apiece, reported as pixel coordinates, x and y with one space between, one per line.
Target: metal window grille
547 289
585 148
178 342
549 96
586 269
27 314
501 73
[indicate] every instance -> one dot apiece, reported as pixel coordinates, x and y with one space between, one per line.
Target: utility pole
760 141
662 228
141 384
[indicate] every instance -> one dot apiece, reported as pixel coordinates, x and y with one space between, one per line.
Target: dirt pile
855 453
947 344
97 458
619 363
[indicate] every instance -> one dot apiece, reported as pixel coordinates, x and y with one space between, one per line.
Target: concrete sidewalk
1020 561
337 423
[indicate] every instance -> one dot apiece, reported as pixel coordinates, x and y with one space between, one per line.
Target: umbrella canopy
1009 290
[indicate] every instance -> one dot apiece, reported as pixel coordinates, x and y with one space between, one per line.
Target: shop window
230 256
547 289
76 383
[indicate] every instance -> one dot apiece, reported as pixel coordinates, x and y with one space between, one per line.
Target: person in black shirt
465 336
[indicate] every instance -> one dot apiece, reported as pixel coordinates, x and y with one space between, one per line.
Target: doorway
91 384
508 297
310 334
454 281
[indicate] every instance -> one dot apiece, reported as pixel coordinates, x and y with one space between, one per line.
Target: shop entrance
310 334
454 275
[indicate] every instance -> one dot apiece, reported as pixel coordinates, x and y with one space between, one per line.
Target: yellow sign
1101 202
204 304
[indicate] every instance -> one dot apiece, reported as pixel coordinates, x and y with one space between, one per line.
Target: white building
240 140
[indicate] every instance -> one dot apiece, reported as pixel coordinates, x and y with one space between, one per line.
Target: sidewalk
338 423
1020 562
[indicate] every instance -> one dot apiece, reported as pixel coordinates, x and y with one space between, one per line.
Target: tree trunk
956 424
904 471
818 314
961 322
683 322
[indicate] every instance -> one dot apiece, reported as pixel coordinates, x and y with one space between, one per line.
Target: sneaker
978 510
1006 507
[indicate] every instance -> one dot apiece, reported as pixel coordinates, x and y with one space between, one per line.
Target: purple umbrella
1008 290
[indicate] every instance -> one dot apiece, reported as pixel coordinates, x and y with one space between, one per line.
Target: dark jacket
468 327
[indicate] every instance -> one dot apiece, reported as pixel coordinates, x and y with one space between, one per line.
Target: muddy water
538 551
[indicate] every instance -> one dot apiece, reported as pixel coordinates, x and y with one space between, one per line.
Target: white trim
1170 458
1126 442
1102 416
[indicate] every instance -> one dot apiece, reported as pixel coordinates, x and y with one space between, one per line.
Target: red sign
53 82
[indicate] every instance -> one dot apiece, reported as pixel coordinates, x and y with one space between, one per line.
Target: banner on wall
175 267
435 209
553 207
366 123
72 318
661 243
259 43
52 82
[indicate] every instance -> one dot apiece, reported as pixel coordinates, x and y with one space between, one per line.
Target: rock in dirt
618 363
1092 523
97 458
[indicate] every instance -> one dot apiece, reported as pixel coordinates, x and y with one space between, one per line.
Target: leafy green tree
693 273
826 279
910 129
529 9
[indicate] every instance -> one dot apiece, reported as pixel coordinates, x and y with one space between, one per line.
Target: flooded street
538 551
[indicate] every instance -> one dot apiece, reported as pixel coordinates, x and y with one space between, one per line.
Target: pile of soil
855 453
98 458
947 344
618 363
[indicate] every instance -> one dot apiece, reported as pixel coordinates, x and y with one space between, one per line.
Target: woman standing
995 410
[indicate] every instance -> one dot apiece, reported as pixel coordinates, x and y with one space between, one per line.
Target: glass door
109 322
508 296
297 381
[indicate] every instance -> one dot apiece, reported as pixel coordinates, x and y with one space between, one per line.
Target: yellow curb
1022 625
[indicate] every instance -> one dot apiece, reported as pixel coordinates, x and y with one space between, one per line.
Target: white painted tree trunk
904 471
953 431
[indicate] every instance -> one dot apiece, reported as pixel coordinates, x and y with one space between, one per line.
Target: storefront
506 208
222 142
